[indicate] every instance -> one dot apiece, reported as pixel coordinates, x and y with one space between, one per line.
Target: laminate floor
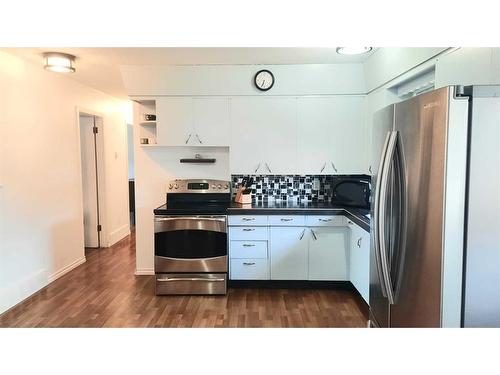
104 292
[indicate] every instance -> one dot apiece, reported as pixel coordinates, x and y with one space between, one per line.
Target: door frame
103 236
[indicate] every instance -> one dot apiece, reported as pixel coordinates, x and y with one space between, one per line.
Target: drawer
287 220
248 249
325 220
248 233
249 269
191 283
247 219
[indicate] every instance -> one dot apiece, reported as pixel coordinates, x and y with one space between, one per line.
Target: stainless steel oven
191 242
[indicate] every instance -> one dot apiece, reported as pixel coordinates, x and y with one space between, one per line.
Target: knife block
243 198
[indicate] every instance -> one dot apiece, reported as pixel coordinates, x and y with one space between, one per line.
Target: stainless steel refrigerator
435 237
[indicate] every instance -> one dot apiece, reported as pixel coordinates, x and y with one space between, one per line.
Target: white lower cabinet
328 253
359 264
249 269
289 253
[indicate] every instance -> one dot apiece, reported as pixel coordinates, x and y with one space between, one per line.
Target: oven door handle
215 218
170 279
170 224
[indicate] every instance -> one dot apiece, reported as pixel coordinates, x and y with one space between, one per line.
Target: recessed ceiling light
353 50
59 62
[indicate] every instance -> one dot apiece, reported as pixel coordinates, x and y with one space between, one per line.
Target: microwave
352 192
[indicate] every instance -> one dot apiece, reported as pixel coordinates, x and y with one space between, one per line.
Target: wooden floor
104 292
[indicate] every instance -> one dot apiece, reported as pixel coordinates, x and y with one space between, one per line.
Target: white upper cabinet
330 135
192 121
174 121
211 121
263 135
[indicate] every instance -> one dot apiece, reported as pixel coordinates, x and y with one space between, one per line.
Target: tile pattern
309 188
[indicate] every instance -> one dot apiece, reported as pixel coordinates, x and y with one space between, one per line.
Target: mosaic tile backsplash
309 188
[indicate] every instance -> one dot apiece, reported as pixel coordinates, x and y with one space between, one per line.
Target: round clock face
264 80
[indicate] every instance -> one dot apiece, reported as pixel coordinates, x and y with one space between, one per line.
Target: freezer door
482 278
421 124
379 304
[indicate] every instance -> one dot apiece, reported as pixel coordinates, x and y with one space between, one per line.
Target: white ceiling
99 67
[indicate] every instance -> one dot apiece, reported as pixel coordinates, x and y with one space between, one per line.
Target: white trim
118 235
144 271
66 269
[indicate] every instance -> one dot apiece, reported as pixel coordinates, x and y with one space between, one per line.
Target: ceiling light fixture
59 62
353 50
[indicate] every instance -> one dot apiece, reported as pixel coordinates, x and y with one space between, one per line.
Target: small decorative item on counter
244 192
144 141
149 117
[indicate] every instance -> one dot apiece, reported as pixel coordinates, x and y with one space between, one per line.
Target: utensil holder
243 198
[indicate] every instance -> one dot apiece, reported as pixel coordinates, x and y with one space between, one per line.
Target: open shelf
146 128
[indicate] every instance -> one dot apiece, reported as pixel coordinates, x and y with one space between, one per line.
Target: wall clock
263 80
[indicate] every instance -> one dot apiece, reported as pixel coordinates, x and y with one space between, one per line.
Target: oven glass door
196 237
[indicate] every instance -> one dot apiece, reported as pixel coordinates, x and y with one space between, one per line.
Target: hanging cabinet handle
248 229
269 169
188 138
248 218
248 245
248 263
256 169
302 235
286 219
313 234
325 220
370 169
323 168
359 241
198 138
333 166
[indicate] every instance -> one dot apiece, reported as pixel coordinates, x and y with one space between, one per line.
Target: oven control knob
176 186
219 186
226 186
170 186
213 186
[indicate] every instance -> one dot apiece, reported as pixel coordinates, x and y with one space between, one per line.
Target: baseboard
26 288
291 284
144 271
118 234
66 269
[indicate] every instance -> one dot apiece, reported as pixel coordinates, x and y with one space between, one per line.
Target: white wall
41 215
228 80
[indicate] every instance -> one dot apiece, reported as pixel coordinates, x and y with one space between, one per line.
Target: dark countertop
357 215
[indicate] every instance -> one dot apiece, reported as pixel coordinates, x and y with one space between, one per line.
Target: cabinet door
263 135
288 248
174 121
247 148
360 261
328 253
279 121
347 135
211 121
314 129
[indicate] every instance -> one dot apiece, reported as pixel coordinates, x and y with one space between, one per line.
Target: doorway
91 158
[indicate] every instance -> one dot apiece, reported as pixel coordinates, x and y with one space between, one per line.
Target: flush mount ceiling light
59 62
353 50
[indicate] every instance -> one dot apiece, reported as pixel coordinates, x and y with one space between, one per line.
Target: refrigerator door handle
376 214
384 184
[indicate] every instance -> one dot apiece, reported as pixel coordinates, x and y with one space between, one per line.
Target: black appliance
352 192
191 244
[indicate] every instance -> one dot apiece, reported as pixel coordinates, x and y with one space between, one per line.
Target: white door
279 123
328 253
288 249
211 121
174 122
314 135
360 261
89 181
347 135
247 148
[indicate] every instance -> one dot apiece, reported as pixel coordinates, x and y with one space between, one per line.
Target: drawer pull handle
248 263
286 219
248 245
248 219
248 229
325 220
170 279
359 242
